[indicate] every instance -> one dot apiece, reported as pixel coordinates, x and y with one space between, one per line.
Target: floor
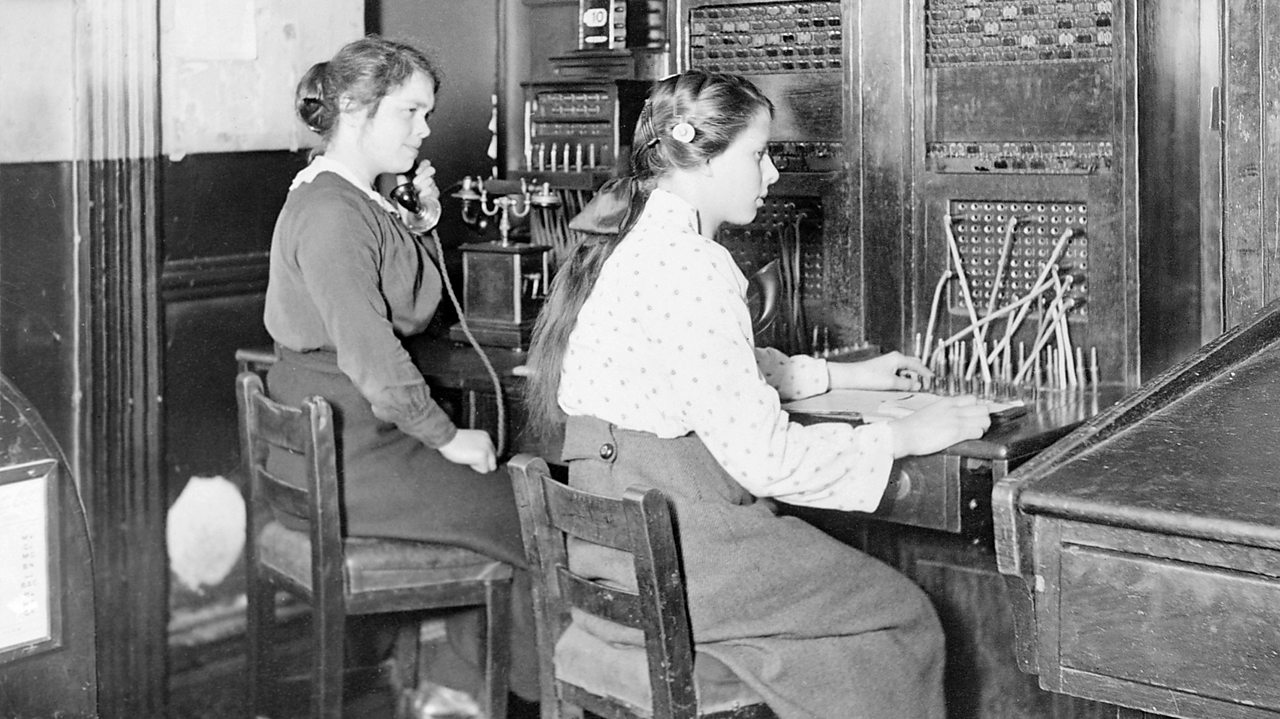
209 682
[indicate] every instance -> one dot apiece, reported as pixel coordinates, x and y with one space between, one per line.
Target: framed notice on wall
30 612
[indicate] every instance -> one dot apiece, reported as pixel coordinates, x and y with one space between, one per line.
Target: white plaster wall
37 80
229 69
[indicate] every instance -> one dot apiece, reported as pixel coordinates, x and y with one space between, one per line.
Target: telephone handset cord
484 358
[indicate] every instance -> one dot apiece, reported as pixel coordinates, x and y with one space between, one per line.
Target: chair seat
621 671
375 564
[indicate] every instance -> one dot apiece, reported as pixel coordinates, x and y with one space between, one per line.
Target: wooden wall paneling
117 170
880 147
38 290
219 212
1170 133
224 203
1251 164
1212 321
203 334
843 250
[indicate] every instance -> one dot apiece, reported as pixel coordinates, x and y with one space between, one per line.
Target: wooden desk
935 525
1144 547
951 491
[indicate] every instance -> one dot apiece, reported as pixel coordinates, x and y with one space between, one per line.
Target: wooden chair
661 680
339 576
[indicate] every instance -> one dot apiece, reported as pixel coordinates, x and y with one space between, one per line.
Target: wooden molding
119 424
206 277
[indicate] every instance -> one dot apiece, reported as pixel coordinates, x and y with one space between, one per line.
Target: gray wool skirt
818 628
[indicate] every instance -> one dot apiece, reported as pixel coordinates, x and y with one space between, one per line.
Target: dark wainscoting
223 204
219 210
37 289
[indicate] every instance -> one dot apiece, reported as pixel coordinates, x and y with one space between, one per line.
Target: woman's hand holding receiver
424 181
472 447
937 426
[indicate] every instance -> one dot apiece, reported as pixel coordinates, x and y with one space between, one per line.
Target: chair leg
497 641
259 621
405 674
329 637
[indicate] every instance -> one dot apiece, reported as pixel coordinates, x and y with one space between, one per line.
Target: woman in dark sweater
349 281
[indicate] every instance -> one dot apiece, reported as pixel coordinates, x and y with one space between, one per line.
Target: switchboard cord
484 358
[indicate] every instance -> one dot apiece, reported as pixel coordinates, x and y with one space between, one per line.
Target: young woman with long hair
645 353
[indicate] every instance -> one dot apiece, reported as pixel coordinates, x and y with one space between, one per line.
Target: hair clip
682 131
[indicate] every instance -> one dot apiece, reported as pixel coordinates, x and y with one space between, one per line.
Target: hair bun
311 109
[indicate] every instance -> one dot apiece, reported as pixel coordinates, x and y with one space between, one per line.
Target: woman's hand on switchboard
937 426
474 448
891 371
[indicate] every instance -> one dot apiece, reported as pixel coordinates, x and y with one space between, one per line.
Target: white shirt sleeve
727 398
794 377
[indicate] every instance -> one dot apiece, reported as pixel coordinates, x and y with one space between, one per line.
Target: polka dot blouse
664 345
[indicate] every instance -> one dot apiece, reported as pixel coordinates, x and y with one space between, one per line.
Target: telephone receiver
425 218
763 289
406 193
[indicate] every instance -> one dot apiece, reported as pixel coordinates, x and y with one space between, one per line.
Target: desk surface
1204 464
1049 417
457 366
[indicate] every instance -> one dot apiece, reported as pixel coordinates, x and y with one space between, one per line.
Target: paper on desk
873 405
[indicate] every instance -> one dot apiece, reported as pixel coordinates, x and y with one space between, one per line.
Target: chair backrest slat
640 524
279 494
308 432
602 600
281 426
599 520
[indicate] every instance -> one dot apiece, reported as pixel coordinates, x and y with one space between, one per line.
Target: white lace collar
322 163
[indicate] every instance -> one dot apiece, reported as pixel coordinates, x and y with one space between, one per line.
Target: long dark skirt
816 627
394 486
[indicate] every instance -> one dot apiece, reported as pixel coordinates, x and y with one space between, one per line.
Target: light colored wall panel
37 90
229 69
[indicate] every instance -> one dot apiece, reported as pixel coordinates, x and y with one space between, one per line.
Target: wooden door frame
118 417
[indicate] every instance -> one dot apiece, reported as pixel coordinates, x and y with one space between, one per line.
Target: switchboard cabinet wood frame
858 284
1076 119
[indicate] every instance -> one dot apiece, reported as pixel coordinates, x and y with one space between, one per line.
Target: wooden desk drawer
939 491
1191 625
